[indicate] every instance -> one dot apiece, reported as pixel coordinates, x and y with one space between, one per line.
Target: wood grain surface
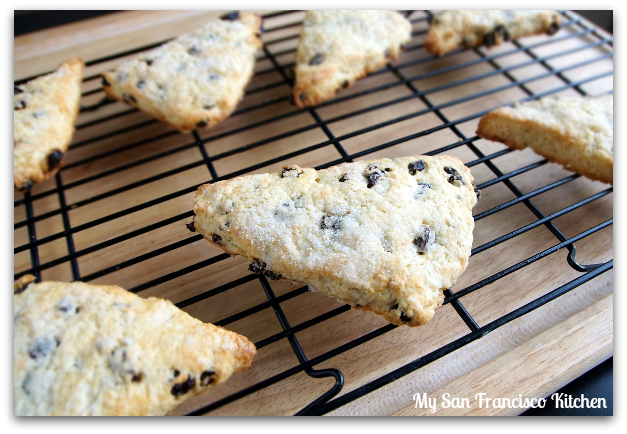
116 213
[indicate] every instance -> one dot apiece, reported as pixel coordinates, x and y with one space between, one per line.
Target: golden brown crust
22 283
582 144
43 123
194 81
100 350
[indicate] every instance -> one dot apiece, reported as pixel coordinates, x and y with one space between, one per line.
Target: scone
81 349
576 132
385 235
471 28
194 81
44 112
338 47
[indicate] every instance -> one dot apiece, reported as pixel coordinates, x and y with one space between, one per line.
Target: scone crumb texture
88 350
384 235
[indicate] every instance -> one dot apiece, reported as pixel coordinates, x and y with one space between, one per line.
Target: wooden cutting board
124 164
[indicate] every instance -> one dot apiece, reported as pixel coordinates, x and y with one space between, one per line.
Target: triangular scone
194 81
576 132
81 349
338 47
383 235
467 28
44 112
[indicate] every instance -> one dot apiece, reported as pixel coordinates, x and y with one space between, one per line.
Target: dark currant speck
373 174
503 32
489 39
191 226
317 59
202 124
405 318
416 166
272 275
21 104
54 159
43 347
231 16
207 377
217 239
176 373
423 238
184 387
344 178
257 266
331 222
553 28
455 176
140 84
27 186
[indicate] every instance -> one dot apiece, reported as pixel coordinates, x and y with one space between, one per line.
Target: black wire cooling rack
57 200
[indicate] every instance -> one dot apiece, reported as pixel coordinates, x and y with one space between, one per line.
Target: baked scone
576 132
81 349
470 28
44 112
194 81
338 47
385 235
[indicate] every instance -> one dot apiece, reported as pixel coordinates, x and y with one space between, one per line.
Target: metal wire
328 400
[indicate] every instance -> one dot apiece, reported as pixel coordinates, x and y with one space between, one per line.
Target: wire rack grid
116 212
